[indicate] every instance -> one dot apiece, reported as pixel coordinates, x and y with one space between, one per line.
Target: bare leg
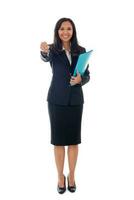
72 159
59 152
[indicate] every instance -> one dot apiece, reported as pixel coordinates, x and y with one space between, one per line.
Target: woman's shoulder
78 50
54 50
81 49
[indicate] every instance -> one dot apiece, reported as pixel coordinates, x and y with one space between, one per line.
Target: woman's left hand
76 79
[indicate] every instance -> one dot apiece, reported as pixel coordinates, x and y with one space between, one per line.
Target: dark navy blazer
60 91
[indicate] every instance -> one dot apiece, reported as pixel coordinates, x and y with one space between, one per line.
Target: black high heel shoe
61 190
71 188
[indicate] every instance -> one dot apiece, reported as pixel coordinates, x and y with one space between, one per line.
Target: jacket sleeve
85 77
46 57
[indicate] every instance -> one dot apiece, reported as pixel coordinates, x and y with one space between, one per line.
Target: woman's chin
66 40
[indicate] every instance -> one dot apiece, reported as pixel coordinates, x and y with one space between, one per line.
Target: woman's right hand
44 47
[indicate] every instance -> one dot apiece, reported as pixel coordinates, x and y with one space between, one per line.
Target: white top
68 54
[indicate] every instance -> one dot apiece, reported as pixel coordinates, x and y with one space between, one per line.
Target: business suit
65 102
60 91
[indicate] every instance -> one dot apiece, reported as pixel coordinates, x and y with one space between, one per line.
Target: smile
65 37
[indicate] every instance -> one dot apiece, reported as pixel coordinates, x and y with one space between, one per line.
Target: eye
62 29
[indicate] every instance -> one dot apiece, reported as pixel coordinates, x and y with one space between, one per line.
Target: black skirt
65 123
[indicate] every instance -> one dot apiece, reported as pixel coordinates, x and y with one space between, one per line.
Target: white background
106 155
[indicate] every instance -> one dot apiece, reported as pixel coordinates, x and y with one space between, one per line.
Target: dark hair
57 45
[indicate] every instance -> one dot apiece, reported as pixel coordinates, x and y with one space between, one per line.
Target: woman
65 98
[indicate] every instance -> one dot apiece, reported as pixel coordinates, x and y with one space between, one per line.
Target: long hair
57 44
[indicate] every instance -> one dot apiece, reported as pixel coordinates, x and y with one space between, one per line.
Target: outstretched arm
45 52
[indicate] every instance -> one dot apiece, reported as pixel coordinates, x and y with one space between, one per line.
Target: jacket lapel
64 59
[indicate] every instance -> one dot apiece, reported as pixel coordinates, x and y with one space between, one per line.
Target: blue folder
82 63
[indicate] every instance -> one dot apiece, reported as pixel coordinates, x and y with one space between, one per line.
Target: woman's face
65 31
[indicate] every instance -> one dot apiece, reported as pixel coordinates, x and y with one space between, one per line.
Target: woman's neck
66 45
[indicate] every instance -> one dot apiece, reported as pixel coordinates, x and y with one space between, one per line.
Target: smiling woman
65 98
